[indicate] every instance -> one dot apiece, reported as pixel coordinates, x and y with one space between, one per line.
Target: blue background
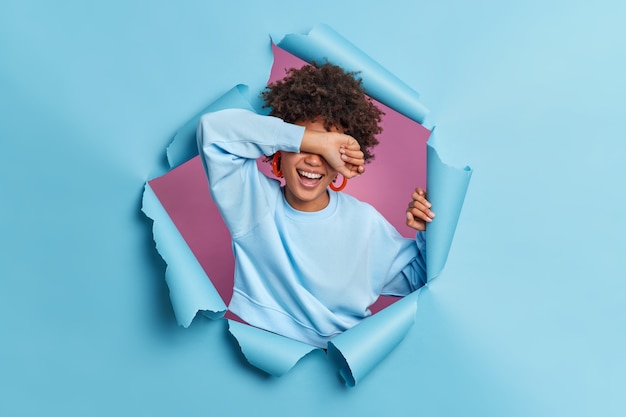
526 319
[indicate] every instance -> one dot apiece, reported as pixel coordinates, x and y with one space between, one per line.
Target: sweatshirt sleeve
413 275
229 143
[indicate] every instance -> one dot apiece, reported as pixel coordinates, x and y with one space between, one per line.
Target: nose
313 159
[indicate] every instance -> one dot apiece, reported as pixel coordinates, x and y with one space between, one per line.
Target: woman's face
307 176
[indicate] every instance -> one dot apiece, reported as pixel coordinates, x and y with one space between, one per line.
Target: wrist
314 141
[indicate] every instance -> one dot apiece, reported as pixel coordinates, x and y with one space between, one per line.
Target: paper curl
190 289
447 187
325 44
360 349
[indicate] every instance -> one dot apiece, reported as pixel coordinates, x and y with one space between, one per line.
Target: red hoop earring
276 165
341 187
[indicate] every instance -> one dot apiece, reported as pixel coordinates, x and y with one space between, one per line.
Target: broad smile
308 178
311 175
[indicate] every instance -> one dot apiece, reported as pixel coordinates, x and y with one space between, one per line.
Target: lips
308 178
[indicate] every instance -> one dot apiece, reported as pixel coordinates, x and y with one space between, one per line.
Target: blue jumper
305 275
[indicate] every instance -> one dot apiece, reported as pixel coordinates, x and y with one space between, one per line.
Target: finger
422 207
349 171
421 214
416 205
352 160
420 196
352 153
352 144
355 170
414 223
421 210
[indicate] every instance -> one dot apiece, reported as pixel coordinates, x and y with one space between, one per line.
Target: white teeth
310 175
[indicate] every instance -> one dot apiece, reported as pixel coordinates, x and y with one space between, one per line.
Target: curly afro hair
332 96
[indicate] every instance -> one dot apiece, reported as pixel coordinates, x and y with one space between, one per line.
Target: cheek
332 174
287 161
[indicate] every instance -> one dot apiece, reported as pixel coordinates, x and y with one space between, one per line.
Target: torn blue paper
270 352
184 147
360 349
446 192
191 291
324 44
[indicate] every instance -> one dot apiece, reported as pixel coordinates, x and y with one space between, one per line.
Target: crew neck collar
306 216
